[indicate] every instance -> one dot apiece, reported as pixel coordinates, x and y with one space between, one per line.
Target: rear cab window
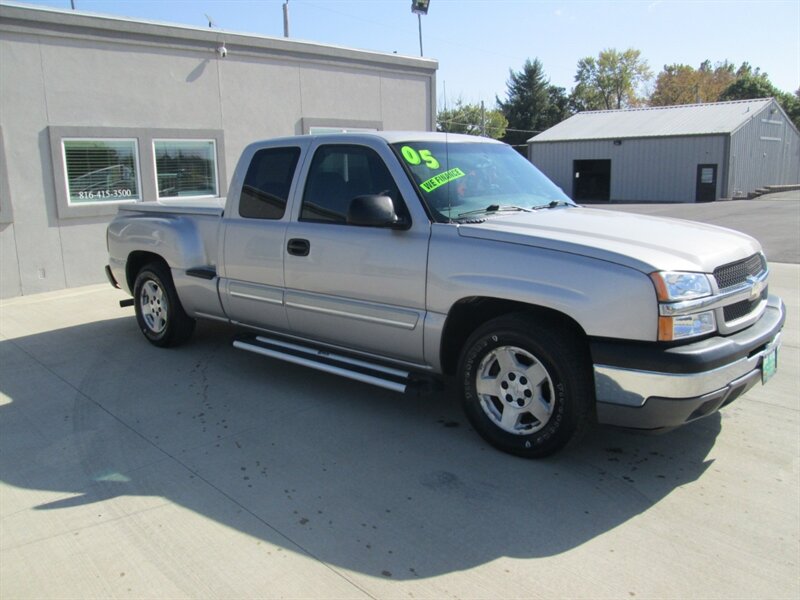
265 191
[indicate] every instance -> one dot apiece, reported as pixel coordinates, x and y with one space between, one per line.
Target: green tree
753 84
794 110
791 104
611 80
749 87
470 119
532 104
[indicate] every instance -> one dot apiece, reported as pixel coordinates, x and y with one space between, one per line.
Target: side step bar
353 368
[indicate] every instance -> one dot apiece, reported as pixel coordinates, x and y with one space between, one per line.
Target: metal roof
662 121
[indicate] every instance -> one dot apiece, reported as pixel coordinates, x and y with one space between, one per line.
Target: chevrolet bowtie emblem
758 287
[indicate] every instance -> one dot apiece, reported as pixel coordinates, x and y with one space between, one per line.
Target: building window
186 168
95 169
101 170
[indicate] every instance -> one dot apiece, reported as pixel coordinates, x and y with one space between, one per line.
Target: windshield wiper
554 204
494 208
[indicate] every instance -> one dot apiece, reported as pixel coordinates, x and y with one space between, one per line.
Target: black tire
526 367
158 311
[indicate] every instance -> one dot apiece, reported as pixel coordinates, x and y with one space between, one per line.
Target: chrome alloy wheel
153 302
515 390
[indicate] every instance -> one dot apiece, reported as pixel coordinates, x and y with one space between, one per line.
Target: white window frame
180 199
145 165
135 141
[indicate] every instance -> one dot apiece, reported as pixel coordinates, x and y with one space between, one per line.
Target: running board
338 364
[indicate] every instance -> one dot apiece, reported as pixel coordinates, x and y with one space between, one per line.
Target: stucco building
97 110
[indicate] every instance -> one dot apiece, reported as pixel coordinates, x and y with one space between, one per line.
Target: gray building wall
62 70
642 170
764 151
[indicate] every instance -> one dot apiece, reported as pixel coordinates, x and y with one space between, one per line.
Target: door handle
298 247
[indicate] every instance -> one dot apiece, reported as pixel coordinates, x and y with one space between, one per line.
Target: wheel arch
137 261
466 315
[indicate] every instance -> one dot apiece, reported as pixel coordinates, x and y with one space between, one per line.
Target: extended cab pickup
394 258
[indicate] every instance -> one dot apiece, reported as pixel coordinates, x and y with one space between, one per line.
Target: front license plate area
769 365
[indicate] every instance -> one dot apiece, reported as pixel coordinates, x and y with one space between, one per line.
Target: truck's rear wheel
158 309
526 386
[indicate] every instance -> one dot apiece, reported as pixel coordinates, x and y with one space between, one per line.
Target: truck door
361 287
252 284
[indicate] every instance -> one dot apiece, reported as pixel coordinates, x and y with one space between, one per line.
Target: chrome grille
737 272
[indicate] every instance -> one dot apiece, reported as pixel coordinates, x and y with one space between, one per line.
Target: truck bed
177 208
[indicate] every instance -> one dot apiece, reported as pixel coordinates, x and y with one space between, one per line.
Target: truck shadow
382 484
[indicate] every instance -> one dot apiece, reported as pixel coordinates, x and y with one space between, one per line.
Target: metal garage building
689 153
97 110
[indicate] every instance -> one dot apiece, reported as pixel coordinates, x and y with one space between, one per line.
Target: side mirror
374 211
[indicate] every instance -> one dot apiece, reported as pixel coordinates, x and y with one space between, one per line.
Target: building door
706 183
591 180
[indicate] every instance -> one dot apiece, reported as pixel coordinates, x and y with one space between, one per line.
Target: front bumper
646 386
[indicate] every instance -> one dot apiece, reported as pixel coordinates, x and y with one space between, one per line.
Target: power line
450 122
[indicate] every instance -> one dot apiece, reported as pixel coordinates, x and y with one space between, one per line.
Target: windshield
460 178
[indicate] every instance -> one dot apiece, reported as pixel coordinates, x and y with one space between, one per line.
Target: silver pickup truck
399 258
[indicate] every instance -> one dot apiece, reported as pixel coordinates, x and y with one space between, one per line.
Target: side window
266 185
340 173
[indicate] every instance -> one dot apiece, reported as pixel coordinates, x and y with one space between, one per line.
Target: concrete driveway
130 471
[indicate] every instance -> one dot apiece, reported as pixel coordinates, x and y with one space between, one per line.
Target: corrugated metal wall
643 170
764 151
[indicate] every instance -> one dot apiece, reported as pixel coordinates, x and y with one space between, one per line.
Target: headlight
677 287
672 286
686 326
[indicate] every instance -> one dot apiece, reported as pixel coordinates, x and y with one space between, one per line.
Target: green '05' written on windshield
459 177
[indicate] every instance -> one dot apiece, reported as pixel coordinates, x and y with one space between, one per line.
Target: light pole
419 8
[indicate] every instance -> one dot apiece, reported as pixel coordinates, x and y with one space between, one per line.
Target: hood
637 241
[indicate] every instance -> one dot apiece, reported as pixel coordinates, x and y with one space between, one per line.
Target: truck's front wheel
158 309
526 386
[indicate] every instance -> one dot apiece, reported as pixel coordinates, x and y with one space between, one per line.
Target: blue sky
477 41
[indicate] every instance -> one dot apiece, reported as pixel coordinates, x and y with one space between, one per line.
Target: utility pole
483 120
286 19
